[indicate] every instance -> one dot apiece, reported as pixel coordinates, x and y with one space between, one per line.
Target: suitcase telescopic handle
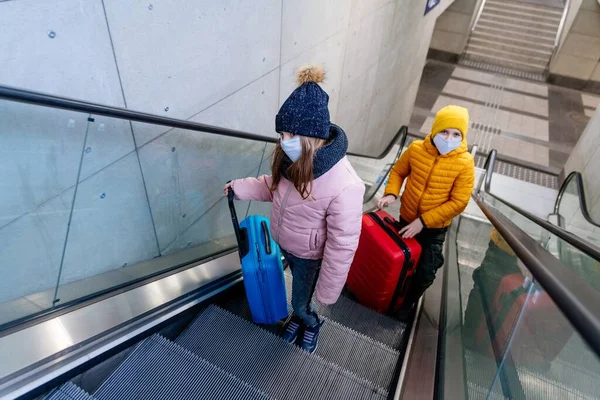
240 234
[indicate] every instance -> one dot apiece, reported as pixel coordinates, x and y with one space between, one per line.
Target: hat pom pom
310 73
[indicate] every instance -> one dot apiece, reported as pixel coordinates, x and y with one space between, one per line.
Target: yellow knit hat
451 117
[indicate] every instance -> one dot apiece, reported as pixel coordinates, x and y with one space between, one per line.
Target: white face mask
292 147
445 146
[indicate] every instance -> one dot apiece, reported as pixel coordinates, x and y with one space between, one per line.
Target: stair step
520 27
497 68
161 369
69 391
551 26
506 58
267 362
505 4
507 40
524 51
359 318
548 40
523 13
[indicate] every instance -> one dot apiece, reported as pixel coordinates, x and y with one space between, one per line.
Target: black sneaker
310 339
291 329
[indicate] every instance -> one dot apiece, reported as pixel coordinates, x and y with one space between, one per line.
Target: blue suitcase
262 268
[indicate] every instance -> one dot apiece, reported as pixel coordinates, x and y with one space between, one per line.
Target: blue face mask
292 147
445 146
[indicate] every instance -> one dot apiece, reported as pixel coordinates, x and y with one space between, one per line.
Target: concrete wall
585 158
577 63
133 191
452 27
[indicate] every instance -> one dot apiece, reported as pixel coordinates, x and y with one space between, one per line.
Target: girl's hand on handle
228 185
412 229
386 201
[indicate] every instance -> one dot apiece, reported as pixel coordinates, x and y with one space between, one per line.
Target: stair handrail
583 245
472 28
578 178
476 20
66 103
558 36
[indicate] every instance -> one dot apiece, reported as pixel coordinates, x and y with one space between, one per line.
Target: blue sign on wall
431 5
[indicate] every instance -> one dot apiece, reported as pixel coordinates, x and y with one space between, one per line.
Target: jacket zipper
283 203
426 183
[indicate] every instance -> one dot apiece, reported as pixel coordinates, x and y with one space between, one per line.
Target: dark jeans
432 258
305 273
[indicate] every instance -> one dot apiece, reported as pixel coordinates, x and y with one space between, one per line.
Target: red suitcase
384 264
542 331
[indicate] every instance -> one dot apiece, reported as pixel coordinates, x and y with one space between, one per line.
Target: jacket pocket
314 239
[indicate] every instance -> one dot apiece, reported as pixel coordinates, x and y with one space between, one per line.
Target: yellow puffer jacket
438 187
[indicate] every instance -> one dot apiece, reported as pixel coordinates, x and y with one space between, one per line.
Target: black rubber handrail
48 100
373 191
578 178
574 240
573 295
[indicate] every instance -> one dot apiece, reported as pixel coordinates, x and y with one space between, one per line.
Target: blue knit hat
306 112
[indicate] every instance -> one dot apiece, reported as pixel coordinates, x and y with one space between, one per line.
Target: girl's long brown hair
301 172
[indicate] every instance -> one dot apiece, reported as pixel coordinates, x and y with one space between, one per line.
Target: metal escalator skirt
75 330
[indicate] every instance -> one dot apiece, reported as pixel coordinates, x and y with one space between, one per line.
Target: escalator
177 325
221 354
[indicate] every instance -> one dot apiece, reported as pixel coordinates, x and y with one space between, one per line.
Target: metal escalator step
353 315
161 369
377 326
69 391
267 362
357 353
341 345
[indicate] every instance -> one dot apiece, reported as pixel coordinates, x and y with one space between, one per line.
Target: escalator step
69 391
268 363
349 313
357 353
344 347
161 369
377 326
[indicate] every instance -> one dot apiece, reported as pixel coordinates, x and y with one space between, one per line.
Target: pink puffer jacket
326 225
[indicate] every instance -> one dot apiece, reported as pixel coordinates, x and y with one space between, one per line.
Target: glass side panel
482 265
584 265
258 207
40 153
550 357
163 198
573 219
133 212
373 172
516 343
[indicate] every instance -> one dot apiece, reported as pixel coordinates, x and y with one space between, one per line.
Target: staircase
515 35
223 355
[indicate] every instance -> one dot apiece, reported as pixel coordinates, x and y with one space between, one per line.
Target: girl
317 203
440 174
